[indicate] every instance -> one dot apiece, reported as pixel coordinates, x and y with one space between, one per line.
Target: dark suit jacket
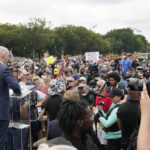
6 81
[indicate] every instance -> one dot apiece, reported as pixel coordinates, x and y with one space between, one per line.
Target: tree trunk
33 51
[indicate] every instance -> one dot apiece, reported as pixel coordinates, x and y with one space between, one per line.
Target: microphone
96 93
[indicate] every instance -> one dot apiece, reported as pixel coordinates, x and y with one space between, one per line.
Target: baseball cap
24 72
116 92
82 78
56 71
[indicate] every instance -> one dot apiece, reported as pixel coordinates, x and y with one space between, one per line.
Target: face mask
84 94
123 57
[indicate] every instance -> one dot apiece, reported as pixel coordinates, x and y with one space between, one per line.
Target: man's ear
80 122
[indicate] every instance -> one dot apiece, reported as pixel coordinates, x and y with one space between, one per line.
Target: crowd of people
78 104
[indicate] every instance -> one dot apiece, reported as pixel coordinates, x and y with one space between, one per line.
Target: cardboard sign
49 60
92 56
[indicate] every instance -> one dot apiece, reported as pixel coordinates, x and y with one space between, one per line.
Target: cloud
106 14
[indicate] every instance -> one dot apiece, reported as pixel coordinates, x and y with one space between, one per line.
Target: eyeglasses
35 79
70 81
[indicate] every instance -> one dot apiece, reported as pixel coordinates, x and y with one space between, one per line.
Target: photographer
108 122
128 112
106 99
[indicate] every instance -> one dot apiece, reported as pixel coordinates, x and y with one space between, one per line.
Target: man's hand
145 101
99 107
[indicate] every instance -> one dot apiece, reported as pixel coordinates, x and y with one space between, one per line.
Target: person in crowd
16 73
85 95
42 69
52 105
144 134
123 84
128 115
106 99
70 83
107 103
24 77
82 80
36 80
51 108
75 118
29 78
45 86
113 80
108 121
125 64
56 89
6 81
71 95
144 65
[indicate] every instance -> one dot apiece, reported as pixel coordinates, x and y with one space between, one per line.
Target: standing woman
45 86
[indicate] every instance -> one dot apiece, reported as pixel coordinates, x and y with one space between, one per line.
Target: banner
92 56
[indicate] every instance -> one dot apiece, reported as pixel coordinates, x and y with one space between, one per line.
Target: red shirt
106 101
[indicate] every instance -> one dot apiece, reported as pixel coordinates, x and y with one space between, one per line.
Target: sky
101 16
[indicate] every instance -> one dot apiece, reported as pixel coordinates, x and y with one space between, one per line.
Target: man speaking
7 81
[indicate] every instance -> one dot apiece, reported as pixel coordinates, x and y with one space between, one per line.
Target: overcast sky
98 15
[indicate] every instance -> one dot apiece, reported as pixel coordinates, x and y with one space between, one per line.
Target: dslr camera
136 84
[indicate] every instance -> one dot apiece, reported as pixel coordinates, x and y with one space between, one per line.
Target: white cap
82 78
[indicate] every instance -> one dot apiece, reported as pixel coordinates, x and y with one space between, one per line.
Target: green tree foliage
36 37
77 40
9 36
125 40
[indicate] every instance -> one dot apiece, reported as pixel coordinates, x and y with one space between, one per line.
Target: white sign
92 56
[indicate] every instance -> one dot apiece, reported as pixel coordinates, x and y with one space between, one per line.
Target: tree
36 35
126 40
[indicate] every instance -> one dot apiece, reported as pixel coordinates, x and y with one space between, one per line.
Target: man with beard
75 118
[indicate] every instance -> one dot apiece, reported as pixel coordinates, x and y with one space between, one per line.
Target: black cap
116 92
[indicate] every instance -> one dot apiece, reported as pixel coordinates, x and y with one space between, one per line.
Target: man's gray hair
3 50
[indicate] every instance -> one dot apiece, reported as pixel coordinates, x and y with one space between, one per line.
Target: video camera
136 84
94 70
93 83
116 65
97 113
135 63
93 89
